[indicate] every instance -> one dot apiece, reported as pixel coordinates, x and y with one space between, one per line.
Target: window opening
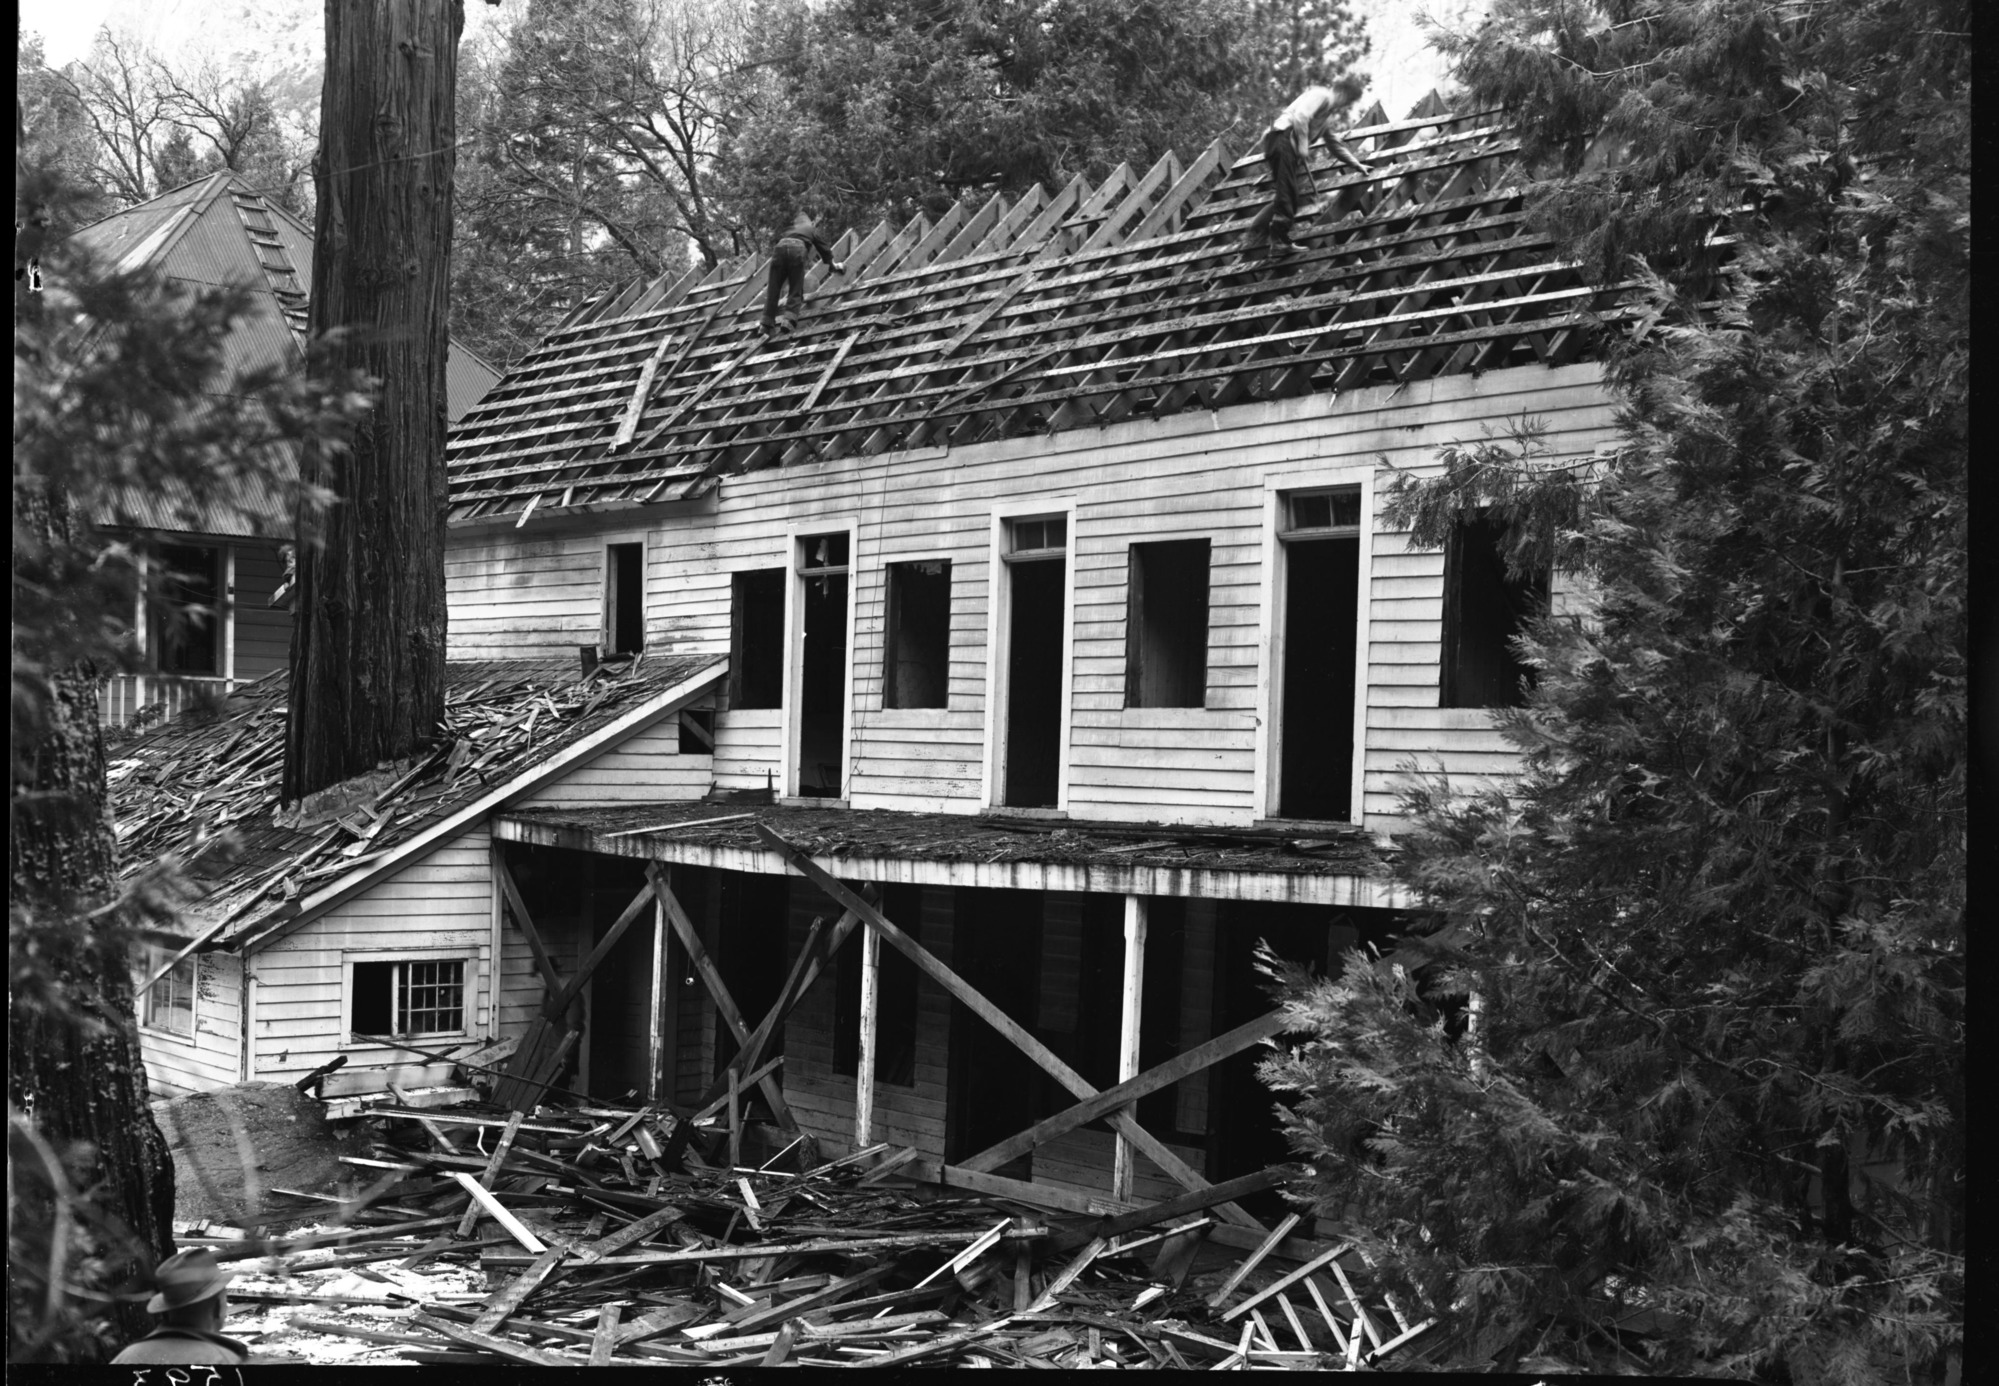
170 1001
697 731
414 997
895 997
917 658
1166 625
186 617
756 639
1035 567
624 599
1484 610
1320 551
822 691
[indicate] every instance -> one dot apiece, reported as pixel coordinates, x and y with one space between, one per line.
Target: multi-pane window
1046 537
169 1004
409 997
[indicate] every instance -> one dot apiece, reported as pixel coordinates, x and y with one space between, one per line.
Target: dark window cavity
1484 610
624 598
697 731
917 663
187 625
1166 625
756 639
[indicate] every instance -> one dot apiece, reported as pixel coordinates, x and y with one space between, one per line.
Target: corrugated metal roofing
220 230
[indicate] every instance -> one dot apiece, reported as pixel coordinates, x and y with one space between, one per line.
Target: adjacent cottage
1033 648
224 566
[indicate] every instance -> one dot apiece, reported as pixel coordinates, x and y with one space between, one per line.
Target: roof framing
1087 306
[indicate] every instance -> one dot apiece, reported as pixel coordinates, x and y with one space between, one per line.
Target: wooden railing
122 695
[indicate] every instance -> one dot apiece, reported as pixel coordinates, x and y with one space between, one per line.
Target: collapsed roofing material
174 789
597 1250
1131 299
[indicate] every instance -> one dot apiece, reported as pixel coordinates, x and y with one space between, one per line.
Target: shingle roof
194 777
1086 306
220 230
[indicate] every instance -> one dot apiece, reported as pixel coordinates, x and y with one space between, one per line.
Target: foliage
119 391
591 130
130 125
1708 1115
886 108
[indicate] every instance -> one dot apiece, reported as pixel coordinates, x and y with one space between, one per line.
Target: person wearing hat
788 262
192 1306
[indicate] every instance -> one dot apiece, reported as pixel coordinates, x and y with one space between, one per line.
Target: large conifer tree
367 680
1709 1111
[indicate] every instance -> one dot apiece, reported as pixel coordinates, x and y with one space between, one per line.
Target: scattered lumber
594 1256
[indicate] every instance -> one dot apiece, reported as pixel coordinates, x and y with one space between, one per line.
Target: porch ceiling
1320 866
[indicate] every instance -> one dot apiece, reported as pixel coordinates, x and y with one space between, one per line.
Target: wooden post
864 1075
658 1043
1133 1003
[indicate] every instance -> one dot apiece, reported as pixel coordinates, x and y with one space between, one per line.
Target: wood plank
1255 1259
1131 1005
499 1347
482 1199
492 1170
1316 1263
928 963
1153 1079
524 921
605 1341
725 1004
510 1297
864 1077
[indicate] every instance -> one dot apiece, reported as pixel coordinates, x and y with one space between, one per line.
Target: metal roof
220 230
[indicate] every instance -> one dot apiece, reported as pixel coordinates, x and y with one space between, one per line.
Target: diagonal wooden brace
928 963
711 976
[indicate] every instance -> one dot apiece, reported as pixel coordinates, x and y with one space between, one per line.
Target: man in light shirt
1287 149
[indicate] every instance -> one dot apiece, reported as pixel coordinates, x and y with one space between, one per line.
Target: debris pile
596 1244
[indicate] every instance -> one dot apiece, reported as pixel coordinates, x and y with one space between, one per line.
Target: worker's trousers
787 271
1290 185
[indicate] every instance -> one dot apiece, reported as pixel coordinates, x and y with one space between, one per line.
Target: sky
1402 66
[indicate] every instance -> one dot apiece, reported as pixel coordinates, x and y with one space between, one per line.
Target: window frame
892 611
608 630
1135 667
467 1000
1278 489
738 635
999 642
160 600
801 571
1539 587
156 954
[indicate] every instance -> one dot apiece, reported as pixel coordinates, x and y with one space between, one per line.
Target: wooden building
1043 591
223 562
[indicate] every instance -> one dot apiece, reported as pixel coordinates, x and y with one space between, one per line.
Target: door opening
1036 567
993 1088
822 685
1321 556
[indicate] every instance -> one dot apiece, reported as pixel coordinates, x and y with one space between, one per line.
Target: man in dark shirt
192 1307
787 271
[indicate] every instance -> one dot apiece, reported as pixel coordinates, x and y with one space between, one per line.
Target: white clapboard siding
646 768
212 1056
440 906
263 633
538 589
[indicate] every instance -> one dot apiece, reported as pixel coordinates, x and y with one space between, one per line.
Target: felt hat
186 1277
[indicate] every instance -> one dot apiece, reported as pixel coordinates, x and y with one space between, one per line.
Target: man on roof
1287 149
787 271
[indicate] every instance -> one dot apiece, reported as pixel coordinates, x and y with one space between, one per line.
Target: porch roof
1318 864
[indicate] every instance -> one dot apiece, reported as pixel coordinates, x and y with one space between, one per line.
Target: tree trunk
73 1062
367 664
